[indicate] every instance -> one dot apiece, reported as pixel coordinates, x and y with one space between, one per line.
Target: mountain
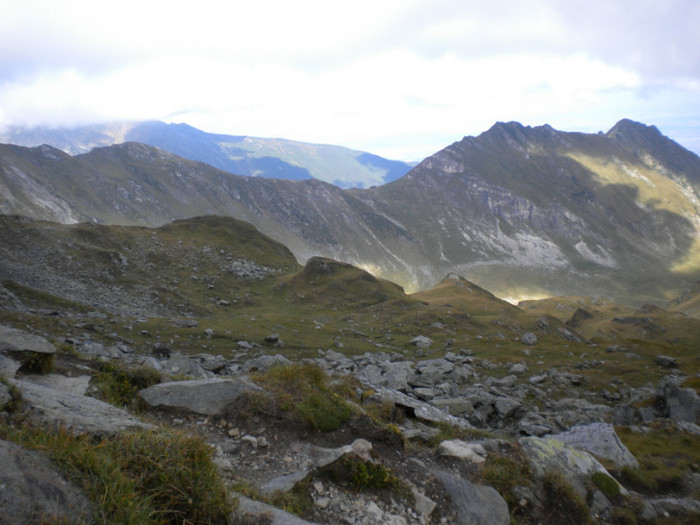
242 155
523 212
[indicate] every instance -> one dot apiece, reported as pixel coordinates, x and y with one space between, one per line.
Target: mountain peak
630 129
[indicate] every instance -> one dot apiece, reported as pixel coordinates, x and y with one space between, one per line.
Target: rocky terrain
325 395
523 212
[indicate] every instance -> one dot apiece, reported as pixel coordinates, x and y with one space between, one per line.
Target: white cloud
395 77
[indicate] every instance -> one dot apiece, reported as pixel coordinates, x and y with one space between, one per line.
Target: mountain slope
254 156
523 212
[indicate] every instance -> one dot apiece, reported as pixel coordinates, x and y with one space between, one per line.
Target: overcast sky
399 78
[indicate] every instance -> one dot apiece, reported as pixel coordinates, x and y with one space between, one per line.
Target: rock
72 385
161 350
518 368
208 397
8 366
419 409
459 449
50 407
533 424
244 345
476 504
5 395
528 338
209 333
600 440
31 491
680 404
179 364
454 406
422 503
536 380
569 335
422 342
264 363
95 349
551 455
215 364
665 361
266 513
272 338
506 406
426 394
184 323
432 371
13 340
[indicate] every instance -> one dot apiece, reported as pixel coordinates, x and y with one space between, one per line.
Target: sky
399 78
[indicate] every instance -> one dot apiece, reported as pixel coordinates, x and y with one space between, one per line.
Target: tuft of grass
504 473
563 503
15 397
666 454
363 475
305 389
119 386
607 485
297 501
36 362
150 477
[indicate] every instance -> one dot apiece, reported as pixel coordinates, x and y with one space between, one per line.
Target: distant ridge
241 155
520 211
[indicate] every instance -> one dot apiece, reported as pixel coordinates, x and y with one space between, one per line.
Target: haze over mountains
242 155
521 211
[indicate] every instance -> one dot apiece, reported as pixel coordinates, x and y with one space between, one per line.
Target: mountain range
242 155
521 211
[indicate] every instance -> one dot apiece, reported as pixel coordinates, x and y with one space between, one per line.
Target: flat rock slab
275 516
31 491
13 340
476 504
48 406
421 410
73 385
601 440
208 397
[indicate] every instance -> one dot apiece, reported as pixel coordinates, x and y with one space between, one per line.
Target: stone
601 440
5 395
551 455
453 406
518 368
680 404
536 380
13 340
506 406
208 397
8 366
422 503
265 513
665 361
31 491
422 342
264 363
95 349
161 350
528 338
50 407
419 409
432 371
459 449
272 338
476 504
179 364
73 385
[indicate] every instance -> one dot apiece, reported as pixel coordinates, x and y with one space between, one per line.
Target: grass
306 390
562 503
665 455
145 477
119 385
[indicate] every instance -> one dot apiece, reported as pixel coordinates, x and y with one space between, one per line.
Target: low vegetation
145 477
119 385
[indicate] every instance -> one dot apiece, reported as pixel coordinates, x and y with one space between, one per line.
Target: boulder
208 397
264 362
475 504
680 404
528 338
456 448
419 409
8 366
31 491
551 455
47 406
73 385
601 440
178 364
13 340
422 342
265 513
432 371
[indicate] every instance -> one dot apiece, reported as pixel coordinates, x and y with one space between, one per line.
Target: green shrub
36 362
151 477
119 386
504 474
562 503
305 389
362 475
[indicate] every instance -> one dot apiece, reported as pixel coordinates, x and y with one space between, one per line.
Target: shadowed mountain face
253 156
523 212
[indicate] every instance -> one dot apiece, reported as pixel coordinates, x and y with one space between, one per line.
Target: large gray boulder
551 455
680 404
31 491
13 340
47 406
601 440
420 409
476 504
208 397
